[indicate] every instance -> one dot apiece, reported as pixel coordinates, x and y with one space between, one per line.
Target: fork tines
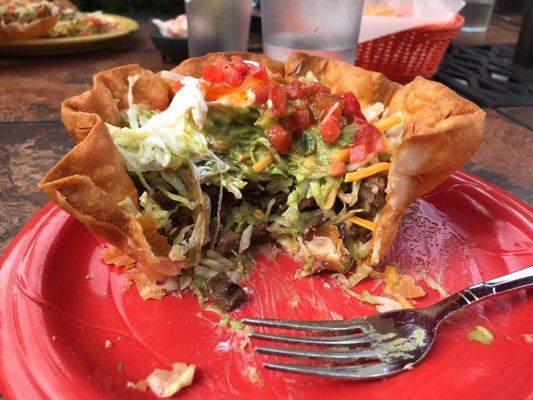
345 333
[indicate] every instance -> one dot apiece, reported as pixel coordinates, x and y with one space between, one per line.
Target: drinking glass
477 15
329 28
217 25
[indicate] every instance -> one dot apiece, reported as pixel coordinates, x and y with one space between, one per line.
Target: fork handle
514 281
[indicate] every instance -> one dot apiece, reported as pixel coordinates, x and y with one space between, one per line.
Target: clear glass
217 25
477 15
329 28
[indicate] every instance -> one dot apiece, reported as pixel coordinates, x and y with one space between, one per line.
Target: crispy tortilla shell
441 132
88 183
90 180
31 30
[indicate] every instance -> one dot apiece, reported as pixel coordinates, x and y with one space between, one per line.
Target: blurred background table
32 137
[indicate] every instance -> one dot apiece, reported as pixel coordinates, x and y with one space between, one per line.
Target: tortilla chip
441 132
32 30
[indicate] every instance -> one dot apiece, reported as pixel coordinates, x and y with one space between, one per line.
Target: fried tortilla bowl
31 30
441 131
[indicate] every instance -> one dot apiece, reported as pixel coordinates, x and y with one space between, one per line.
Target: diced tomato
212 74
297 90
318 87
367 142
358 152
177 87
275 93
330 126
337 169
223 72
232 77
352 108
259 72
321 102
278 97
232 73
300 120
239 64
261 94
280 139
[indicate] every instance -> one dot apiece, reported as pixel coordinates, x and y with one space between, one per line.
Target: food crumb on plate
528 337
120 367
481 334
141 385
253 375
127 286
89 276
166 383
108 344
295 301
336 316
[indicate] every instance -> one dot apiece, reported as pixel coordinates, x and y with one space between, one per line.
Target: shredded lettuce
291 217
325 191
374 111
350 198
280 185
168 139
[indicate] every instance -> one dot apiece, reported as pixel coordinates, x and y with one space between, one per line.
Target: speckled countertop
32 137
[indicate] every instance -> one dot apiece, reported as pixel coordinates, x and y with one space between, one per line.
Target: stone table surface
32 137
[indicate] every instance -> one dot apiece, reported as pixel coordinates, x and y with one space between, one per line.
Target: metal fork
377 346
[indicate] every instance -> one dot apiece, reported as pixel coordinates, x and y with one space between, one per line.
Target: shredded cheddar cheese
363 222
387 123
263 163
309 161
341 155
362 173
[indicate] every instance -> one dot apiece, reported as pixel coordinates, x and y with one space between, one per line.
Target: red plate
54 322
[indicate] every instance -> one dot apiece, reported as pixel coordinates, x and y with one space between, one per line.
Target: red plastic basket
404 55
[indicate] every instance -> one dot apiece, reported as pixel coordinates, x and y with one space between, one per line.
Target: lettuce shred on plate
481 334
167 383
240 159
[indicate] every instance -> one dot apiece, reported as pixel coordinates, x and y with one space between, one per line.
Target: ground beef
372 195
312 224
225 293
280 202
260 234
212 191
227 243
358 233
306 204
251 190
257 197
165 202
